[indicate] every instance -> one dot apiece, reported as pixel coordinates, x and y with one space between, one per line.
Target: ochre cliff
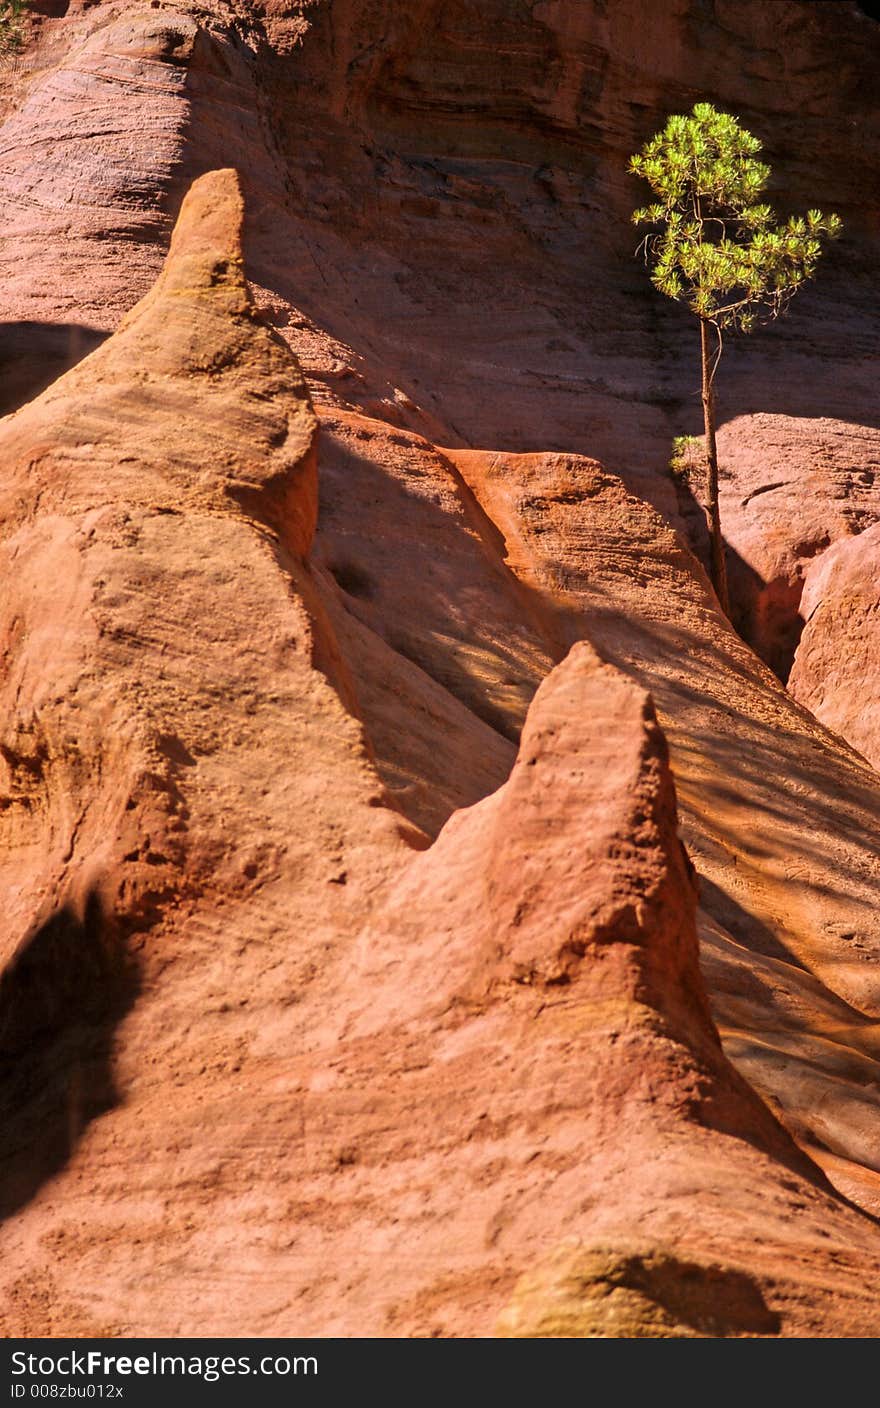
835 672
350 974
242 1011
408 165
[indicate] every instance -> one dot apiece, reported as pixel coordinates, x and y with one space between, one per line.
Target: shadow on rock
614 1293
33 355
61 1000
765 614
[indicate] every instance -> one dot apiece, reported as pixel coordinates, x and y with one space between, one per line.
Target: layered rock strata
836 673
252 1037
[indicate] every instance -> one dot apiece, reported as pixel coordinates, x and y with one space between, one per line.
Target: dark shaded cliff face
440 207
482 149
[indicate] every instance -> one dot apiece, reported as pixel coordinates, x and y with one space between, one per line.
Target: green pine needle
717 247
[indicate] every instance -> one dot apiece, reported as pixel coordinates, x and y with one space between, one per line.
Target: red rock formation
539 967
791 487
836 672
796 495
439 201
219 755
368 1051
163 689
790 947
95 133
191 440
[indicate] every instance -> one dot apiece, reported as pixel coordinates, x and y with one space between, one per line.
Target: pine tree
720 250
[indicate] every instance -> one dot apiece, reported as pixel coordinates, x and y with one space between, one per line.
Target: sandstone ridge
253 1031
157 506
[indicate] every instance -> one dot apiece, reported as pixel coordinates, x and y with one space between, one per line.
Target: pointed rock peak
539 966
572 875
206 254
193 402
569 887
585 864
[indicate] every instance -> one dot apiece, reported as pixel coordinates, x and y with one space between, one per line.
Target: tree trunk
719 565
